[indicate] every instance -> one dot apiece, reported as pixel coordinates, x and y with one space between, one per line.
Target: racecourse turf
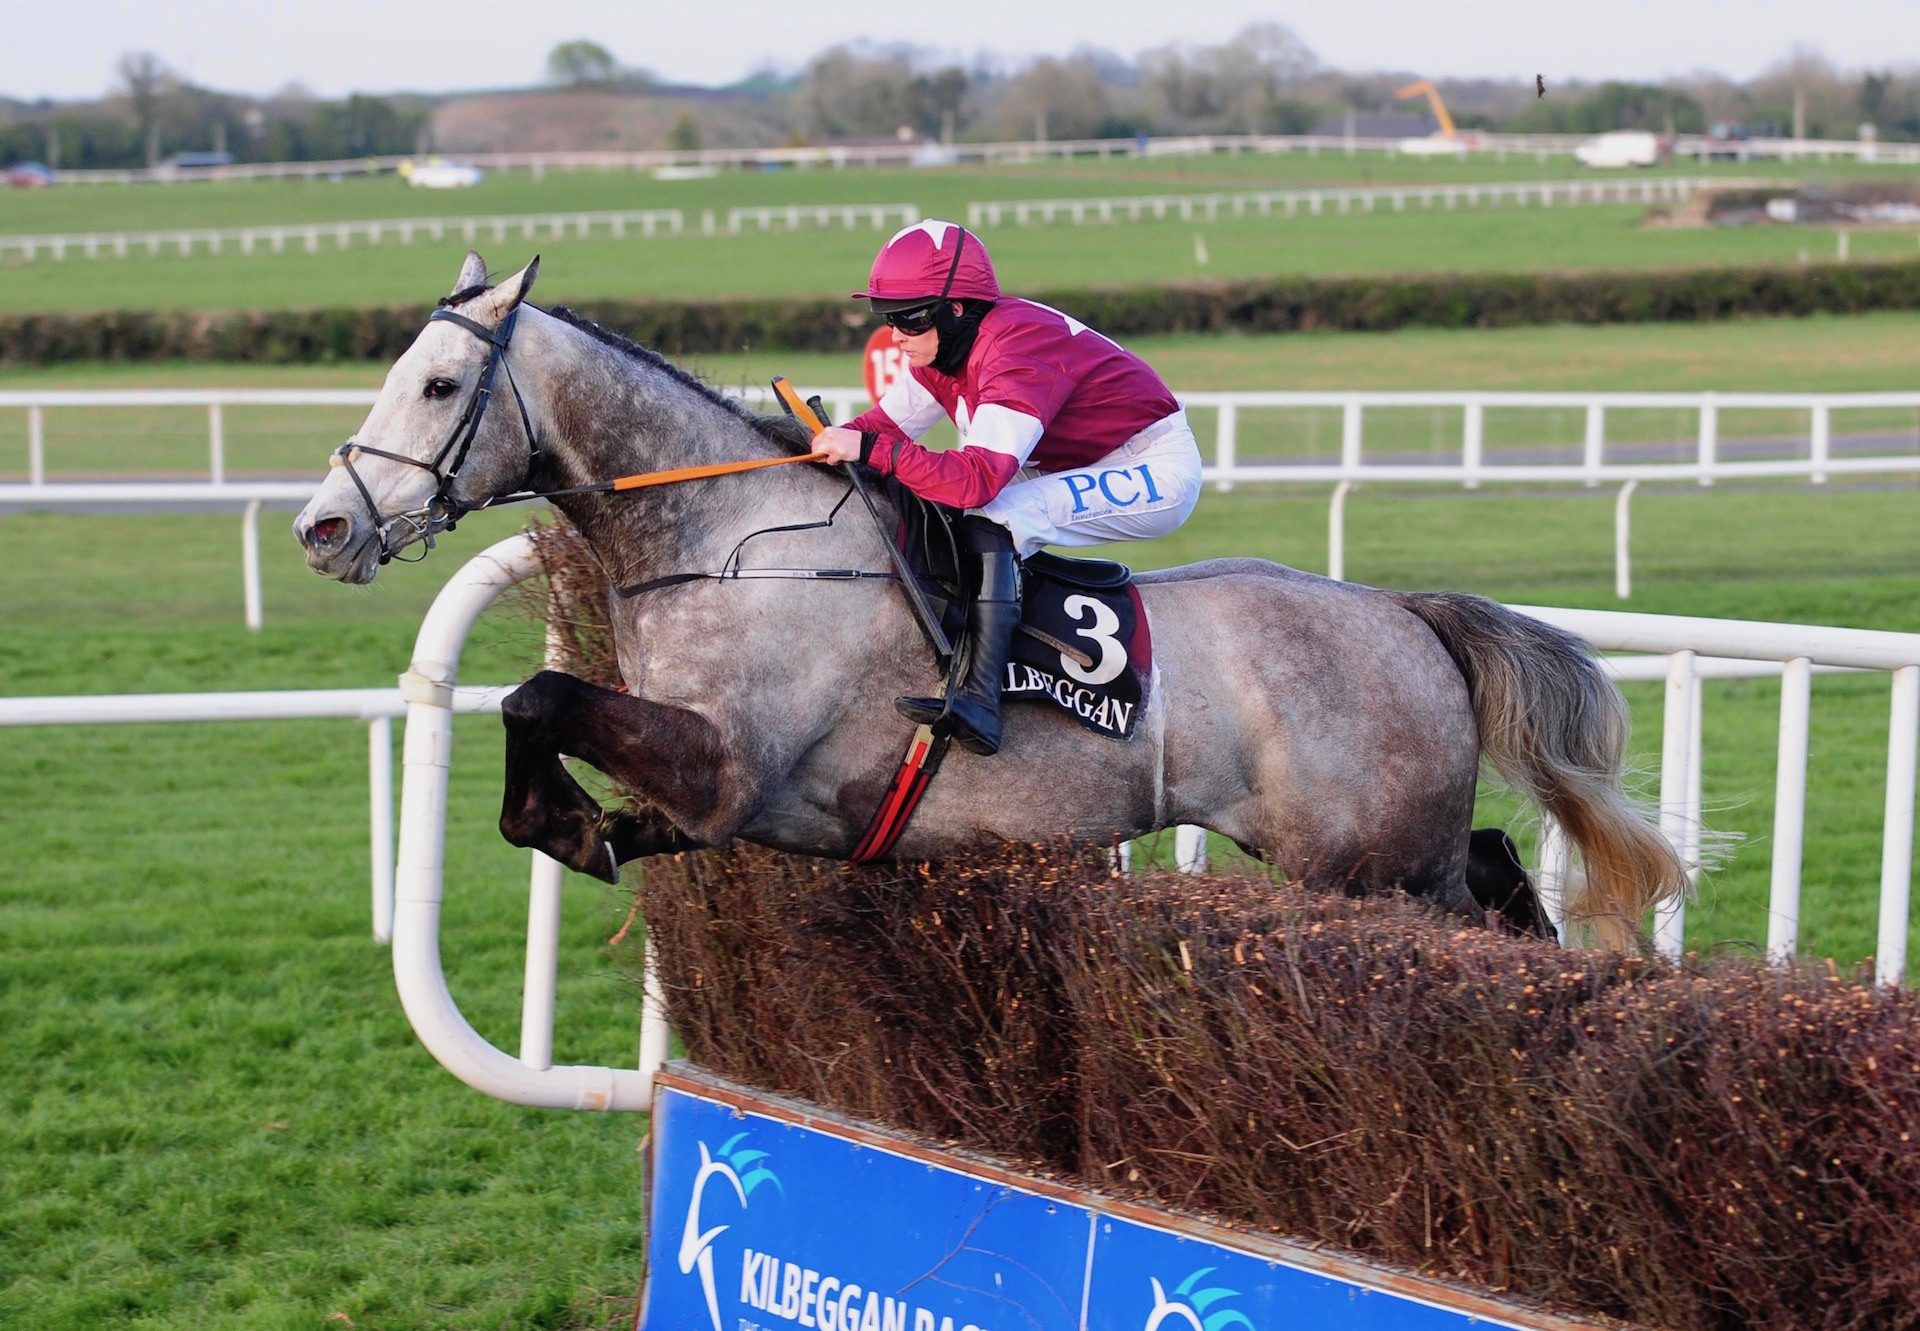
828 261
939 190
215 1115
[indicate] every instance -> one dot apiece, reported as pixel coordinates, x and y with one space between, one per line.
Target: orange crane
1446 130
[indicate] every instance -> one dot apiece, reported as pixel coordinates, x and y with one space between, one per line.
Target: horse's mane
782 430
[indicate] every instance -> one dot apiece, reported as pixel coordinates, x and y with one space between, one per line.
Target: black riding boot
973 706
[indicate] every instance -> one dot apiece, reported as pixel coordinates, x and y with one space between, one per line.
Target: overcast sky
68 48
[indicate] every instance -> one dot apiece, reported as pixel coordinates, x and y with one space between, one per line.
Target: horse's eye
439 388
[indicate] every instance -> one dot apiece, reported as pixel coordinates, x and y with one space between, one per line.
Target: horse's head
431 449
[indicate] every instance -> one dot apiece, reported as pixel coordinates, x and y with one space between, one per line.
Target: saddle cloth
1084 643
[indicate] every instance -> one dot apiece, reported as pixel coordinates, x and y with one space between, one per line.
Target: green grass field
825 262
830 262
940 190
215 1114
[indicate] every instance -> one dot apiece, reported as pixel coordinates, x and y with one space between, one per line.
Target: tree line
152 114
1265 80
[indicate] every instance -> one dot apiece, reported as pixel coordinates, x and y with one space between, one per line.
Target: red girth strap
924 752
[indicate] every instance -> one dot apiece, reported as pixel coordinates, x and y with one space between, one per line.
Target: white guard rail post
375 707
1789 809
419 886
248 496
1677 758
1692 647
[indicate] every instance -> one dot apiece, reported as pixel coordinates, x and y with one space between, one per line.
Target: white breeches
1146 487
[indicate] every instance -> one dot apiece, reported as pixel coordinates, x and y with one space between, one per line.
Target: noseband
442 510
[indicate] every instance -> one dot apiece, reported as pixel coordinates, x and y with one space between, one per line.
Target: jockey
1066 438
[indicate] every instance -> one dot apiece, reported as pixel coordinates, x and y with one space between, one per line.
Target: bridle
442 510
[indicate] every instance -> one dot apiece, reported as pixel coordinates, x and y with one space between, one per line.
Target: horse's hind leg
666 755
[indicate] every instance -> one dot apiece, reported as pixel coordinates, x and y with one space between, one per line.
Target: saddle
1084 643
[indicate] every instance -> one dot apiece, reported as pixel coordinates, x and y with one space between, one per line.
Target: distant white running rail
1823 453
313 237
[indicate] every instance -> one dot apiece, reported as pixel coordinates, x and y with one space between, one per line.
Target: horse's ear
498 303
473 273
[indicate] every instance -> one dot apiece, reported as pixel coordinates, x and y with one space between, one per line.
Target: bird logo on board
1194 1308
741 1168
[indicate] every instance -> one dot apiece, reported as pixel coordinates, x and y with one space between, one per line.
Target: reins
641 480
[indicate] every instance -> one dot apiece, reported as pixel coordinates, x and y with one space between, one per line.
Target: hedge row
682 328
1722 1146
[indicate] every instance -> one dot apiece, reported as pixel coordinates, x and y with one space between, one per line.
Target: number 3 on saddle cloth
1084 643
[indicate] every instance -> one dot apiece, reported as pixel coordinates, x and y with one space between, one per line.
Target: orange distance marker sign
885 364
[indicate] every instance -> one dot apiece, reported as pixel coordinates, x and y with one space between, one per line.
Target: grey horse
1336 730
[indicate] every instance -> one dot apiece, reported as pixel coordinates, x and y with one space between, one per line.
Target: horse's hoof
597 861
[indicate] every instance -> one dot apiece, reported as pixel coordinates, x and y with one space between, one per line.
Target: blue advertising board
768 1216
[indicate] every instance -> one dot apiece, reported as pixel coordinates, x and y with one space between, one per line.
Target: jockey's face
920 348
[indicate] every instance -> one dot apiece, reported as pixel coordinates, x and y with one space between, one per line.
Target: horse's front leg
668 756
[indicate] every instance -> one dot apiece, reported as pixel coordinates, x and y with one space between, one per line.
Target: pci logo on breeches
1113 488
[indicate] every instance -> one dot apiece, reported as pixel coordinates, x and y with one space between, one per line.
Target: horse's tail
1555 726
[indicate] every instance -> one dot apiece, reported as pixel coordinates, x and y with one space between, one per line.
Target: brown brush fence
684 328
1720 1145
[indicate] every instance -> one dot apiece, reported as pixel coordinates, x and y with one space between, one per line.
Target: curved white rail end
419 875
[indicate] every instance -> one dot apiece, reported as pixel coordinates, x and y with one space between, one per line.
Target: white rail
468 1055
250 497
1681 641
1796 651
313 237
1497 146
645 223
530 1079
1478 465
1815 462
1339 200
376 707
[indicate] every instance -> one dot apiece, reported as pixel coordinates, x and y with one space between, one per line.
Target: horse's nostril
326 533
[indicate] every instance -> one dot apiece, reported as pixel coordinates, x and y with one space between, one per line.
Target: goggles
915 321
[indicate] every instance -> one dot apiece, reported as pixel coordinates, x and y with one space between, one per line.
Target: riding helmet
930 260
